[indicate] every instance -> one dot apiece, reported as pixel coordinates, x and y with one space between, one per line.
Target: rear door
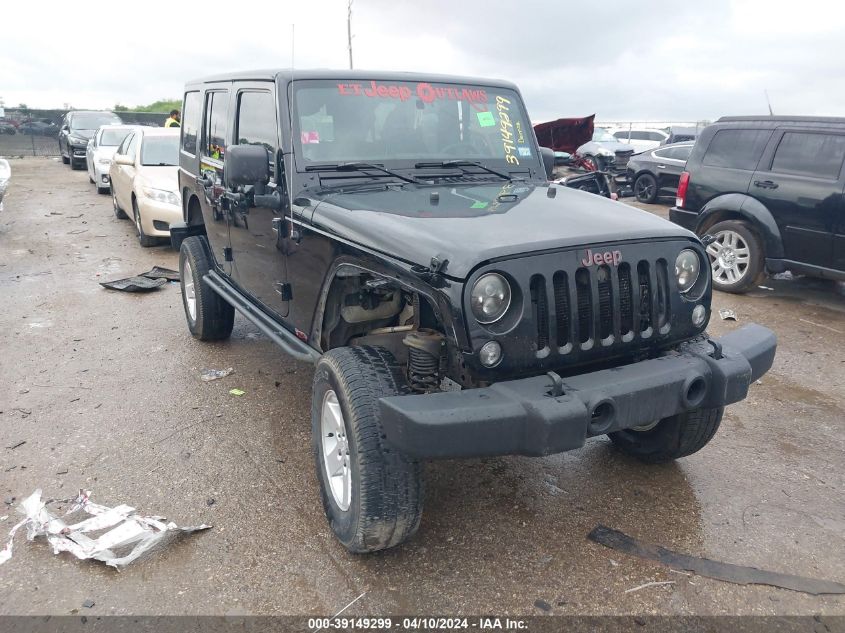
671 162
122 175
210 184
801 183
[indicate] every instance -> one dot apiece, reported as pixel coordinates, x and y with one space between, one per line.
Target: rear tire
645 188
65 159
736 257
671 438
374 499
209 316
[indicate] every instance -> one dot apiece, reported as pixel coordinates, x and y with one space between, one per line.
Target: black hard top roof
824 120
350 75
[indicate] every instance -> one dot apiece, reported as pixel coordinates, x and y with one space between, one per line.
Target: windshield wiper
361 167
460 164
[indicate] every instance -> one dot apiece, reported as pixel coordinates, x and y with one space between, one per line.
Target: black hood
471 223
86 134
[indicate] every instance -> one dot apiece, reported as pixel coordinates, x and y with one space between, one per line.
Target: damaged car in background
454 301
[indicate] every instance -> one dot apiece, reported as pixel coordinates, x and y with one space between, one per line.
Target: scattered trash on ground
145 282
15 445
826 327
650 584
208 375
131 537
765 288
727 314
727 572
784 276
542 605
157 272
134 284
237 392
88 603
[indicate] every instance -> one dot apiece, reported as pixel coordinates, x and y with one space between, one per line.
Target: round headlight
490 298
687 269
490 353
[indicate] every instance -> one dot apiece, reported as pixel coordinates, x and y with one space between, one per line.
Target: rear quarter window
736 149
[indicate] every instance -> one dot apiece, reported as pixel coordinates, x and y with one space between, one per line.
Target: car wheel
143 239
670 438
209 316
119 213
102 190
91 180
645 188
736 256
65 158
593 161
371 493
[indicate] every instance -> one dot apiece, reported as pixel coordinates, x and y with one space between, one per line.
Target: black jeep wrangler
400 232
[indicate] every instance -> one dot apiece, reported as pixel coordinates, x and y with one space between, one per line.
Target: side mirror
123 159
246 165
548 156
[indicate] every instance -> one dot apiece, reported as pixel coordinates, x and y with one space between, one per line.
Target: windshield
377 121
113 138
160 151
603 136
93 120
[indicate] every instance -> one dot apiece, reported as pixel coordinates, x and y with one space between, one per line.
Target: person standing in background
174 119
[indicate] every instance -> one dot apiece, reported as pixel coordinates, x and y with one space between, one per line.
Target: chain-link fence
36 132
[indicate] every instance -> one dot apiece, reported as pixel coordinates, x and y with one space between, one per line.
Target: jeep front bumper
524 417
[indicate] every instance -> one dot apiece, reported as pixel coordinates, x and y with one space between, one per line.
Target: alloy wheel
188 289
335 445
729 257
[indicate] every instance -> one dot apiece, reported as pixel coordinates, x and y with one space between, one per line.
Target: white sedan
144 182
641 139
101 149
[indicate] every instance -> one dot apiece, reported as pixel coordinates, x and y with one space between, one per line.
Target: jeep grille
600 305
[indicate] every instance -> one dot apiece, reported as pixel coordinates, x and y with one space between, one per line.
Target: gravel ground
104 389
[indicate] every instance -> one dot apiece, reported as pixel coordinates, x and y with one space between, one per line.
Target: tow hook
717 349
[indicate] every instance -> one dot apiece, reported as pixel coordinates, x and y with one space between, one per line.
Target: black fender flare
738 206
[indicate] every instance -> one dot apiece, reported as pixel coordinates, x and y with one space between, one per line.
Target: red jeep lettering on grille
607 257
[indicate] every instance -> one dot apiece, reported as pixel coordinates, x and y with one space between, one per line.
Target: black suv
770 191
77 128
399 232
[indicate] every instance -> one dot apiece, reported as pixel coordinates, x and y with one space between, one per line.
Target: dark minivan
770 190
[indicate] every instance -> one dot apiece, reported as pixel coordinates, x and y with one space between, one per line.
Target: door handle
765 184
661 166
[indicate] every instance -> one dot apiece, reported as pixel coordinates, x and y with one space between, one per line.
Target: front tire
736 257
209 316
671 438
143 239
372 494
645 188
119 213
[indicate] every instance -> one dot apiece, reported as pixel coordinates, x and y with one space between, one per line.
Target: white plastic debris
727 314
131 536
208 375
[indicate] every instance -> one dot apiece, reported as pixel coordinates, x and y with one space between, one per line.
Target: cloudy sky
632 61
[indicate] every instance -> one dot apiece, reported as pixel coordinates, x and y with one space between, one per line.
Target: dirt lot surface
104 389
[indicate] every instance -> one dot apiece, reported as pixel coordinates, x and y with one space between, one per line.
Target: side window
131 149
810 154
736 149
216 118
622 136
125 144
257 121
656 136
191 117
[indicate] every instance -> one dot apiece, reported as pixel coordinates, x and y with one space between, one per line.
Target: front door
802 187
256 232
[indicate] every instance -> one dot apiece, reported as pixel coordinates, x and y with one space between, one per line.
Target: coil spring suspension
424 352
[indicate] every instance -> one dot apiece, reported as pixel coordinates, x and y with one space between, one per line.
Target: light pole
349 30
